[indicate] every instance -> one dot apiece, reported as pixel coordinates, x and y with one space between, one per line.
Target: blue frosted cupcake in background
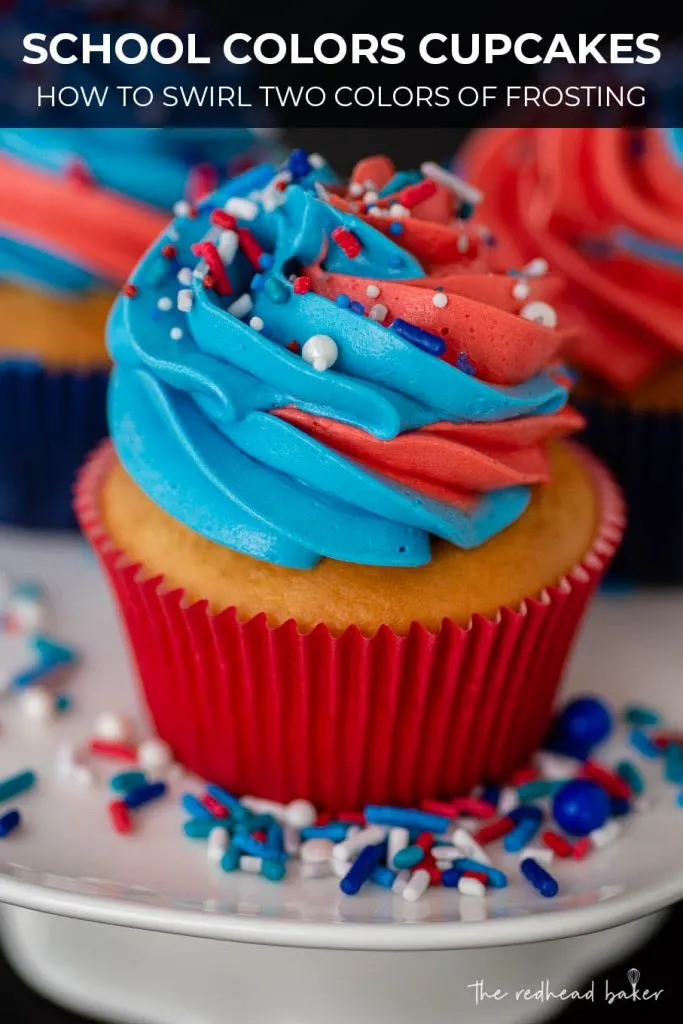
77 209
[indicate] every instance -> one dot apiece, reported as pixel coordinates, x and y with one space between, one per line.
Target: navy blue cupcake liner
644 450
49 421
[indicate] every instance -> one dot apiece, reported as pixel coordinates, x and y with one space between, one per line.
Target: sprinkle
258 283
184 276
9 822
540 313
165 303
243 209
176 333
440 299
37 703
343 301
521 290
63 702
581 847
182 209
111 748
413 195
470 885
636 714
357 840
129 290
614 785
522 834
144 794
360 871
168 251
250 247
221 219
356 307
185 300
218 844
321 352
256 323
195 807
334 830
469 845
299 163
398 210
214 807
463 243
536 268
395 228
641 742
301 285
242 306
557 843
378 312
372 291
409 857
228 244
536 790
461 188
347 241
209 253
605 835
541 880
294 346
632 776
417 885
120 817
496 878
430 343
495 830
125 781
154 754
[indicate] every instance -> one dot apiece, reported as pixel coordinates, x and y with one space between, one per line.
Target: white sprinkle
398 210
185 275
228 244
355 842
291 840
542 854
555 766
397 840
469 846
400 882
256 323
172 234
356 189
176 333
185 300
250 864
378 312
319 869
370 197
418 884
218 844
447 854
243 209
508 800
440 299
320 351
471 887
181 208
540 313
313 851
242 306
154 754
300 814
521 290
321 190
463 189
601 837
339 868
370 185
536 268
112 726
37 703
376 211
316 161
372 291
165 303
463 243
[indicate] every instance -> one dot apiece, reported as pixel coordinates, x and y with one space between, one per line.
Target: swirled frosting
605 207
81 205
431 416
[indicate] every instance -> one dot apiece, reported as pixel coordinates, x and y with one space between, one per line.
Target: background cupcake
605 207
77 209
348 549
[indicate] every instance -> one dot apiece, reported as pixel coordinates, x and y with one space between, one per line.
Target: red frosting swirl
479 322
579 197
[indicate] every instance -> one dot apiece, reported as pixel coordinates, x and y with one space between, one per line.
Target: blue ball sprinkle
395 228
584 722
258 282
343 301
265 261
581 806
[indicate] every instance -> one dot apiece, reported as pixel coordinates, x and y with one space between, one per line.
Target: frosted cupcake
604 206
348 543
77 210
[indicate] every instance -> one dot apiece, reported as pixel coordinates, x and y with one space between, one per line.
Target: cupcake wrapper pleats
346 720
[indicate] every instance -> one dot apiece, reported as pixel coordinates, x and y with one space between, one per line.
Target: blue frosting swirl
191 395
149 165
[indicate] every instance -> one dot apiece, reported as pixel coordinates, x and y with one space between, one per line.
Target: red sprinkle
301 285
294 346
208 280
425 841
614 784
558 844
129 290
117 751
259 835
351 817
209 253
323 818
428 864
495 830
120 817
581 847
524 775
250 247
214 806
281 185
169 252
437 807
347 241
473 806
480 876
223 220
413 195
662 740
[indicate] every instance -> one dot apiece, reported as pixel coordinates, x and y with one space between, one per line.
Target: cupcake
77 210
604 206
348 541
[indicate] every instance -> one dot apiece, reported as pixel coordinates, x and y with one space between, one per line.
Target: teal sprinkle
540 788
399 181
679 799
636 714
673 764
199 828
643 744
63 702
632 776
125 781
230 861
408 857
253 823
273 870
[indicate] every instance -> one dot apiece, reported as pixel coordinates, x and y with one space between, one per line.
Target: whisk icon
633 976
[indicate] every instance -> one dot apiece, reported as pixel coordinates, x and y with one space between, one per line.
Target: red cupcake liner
350 719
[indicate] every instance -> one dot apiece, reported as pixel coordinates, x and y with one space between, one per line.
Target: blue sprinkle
679 799
430 343
230 860
491 795
673 764
275 836
194 807
369 858
643 744
142 795
395 228
383 876
258 283
273 870
406 817
521 835
343 301
298 163
619 806
464 365
8 822
541 880
247 844
451 876
201 828
225 798
497 879
525 812
266 261
356 307
334 830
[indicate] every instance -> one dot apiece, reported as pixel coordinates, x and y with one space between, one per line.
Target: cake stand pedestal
141 929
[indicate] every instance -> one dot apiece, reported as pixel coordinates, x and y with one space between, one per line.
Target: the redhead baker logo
545 992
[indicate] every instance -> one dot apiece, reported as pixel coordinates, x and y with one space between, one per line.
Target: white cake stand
141 929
